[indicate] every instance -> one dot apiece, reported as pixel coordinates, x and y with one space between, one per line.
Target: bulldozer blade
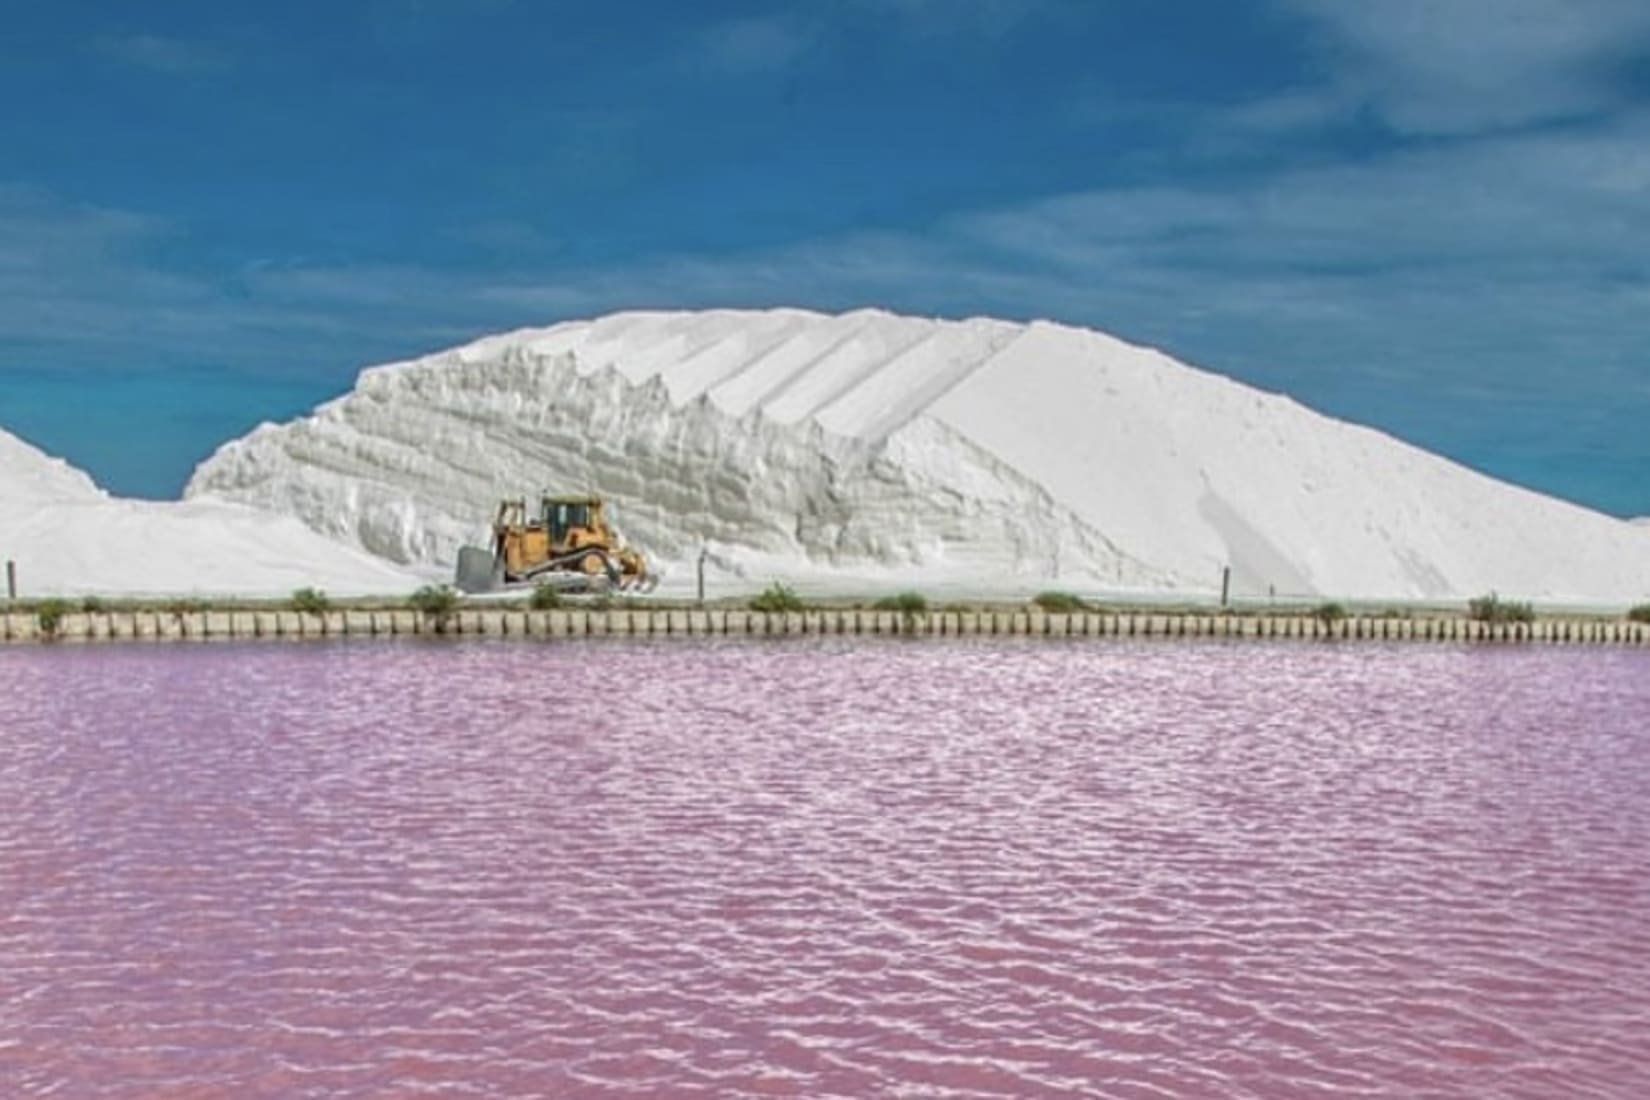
478 570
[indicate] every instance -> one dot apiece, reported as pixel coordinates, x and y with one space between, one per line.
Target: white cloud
1518 256
163 54
765 43
975 17
505 237
749 45
79 284
1544 200
1468 66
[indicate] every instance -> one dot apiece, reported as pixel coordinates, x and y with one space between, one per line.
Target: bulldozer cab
563 515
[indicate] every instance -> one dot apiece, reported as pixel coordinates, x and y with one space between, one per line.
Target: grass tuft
49 615
310 601
908 604
1060 603
1330 612
1493 609
777 599
435 602
545 597
1639 614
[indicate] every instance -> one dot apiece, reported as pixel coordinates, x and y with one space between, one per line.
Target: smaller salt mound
70 538
29 476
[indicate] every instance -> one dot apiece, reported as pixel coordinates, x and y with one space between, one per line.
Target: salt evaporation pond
824 868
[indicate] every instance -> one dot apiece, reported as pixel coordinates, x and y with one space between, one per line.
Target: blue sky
1428 215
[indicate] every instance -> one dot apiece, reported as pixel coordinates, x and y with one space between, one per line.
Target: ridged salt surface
873 449
69 537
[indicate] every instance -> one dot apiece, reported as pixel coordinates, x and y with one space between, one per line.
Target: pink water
824 868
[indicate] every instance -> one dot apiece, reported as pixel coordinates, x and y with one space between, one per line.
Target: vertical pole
11 579
703 552
1225 586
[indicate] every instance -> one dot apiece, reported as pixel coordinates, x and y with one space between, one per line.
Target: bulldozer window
564 517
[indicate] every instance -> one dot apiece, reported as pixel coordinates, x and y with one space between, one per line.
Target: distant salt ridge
70 538
868 449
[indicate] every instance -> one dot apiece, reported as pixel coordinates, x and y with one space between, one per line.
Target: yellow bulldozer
567 544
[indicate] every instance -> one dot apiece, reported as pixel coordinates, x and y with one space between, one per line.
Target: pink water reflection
824 869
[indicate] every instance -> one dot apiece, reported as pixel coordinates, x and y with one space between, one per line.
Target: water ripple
824 868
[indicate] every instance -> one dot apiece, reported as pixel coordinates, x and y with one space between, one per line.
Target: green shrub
545 597
1639 614
906 603
1330 612
777 599
1059 603
310 601
49 614
436 603
1493 609
91 605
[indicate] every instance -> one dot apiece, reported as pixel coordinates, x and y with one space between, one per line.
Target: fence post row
77 623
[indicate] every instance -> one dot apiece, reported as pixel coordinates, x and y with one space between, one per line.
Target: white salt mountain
70 538
868 450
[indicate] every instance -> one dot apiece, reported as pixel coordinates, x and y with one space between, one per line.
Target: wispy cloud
1417 270
1466 66
37 229
83 284
506 238
974 17
162 54
1436 250
755 44
1500 230
69 268
764 43
1424 265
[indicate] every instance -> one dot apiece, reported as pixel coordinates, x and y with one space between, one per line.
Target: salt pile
70 538
868 450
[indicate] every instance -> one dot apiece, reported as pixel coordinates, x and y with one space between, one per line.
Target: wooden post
11 579
1225 586
703 552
